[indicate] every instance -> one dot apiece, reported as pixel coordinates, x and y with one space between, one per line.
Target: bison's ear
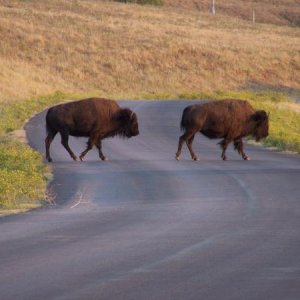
124 115
260 116
133 116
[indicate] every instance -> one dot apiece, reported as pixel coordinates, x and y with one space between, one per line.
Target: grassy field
129 51
282 12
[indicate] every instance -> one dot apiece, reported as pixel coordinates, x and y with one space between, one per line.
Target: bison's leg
189 143
180 143
65 143
188 138
99 146
224 145
48 141
88 148
238 145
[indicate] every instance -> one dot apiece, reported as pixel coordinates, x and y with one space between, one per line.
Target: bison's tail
185 119
49 128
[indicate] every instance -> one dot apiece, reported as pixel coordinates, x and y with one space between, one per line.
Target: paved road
144 226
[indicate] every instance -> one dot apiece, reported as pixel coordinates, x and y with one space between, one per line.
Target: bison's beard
261 132
124 134
128 133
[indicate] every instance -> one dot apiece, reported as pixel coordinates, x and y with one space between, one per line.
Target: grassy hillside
126 50
281 12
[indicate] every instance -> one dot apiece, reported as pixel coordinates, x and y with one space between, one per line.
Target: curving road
144 226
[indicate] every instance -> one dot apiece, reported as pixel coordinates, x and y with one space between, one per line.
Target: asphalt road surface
144 226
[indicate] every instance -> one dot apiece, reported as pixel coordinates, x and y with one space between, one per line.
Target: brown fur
94 118
228 119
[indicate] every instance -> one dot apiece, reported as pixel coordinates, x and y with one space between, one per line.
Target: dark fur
93 118
228 119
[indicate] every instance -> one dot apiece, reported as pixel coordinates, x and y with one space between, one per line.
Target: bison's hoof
195 158
246 158
49 159
177 157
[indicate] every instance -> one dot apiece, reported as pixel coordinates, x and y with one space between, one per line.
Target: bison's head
261 119
128 123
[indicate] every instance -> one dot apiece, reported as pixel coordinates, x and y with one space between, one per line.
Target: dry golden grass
281 12
123 51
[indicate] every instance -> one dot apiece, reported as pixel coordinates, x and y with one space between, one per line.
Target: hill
125 50
280 12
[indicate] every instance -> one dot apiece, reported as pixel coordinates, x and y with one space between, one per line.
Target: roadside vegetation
22 181
131 51
23 175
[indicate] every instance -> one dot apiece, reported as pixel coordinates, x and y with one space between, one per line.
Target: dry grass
124 51
280 12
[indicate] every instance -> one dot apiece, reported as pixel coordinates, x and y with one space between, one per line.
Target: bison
228 119
94 118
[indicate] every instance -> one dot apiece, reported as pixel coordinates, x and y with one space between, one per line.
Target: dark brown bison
228 119
93 118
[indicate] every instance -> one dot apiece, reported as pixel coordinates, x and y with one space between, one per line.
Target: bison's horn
131 115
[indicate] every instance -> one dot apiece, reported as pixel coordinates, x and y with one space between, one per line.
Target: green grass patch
284 132
23 175
22 180
13 115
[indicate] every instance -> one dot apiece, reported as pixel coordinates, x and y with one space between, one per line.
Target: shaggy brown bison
228 119
93 118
